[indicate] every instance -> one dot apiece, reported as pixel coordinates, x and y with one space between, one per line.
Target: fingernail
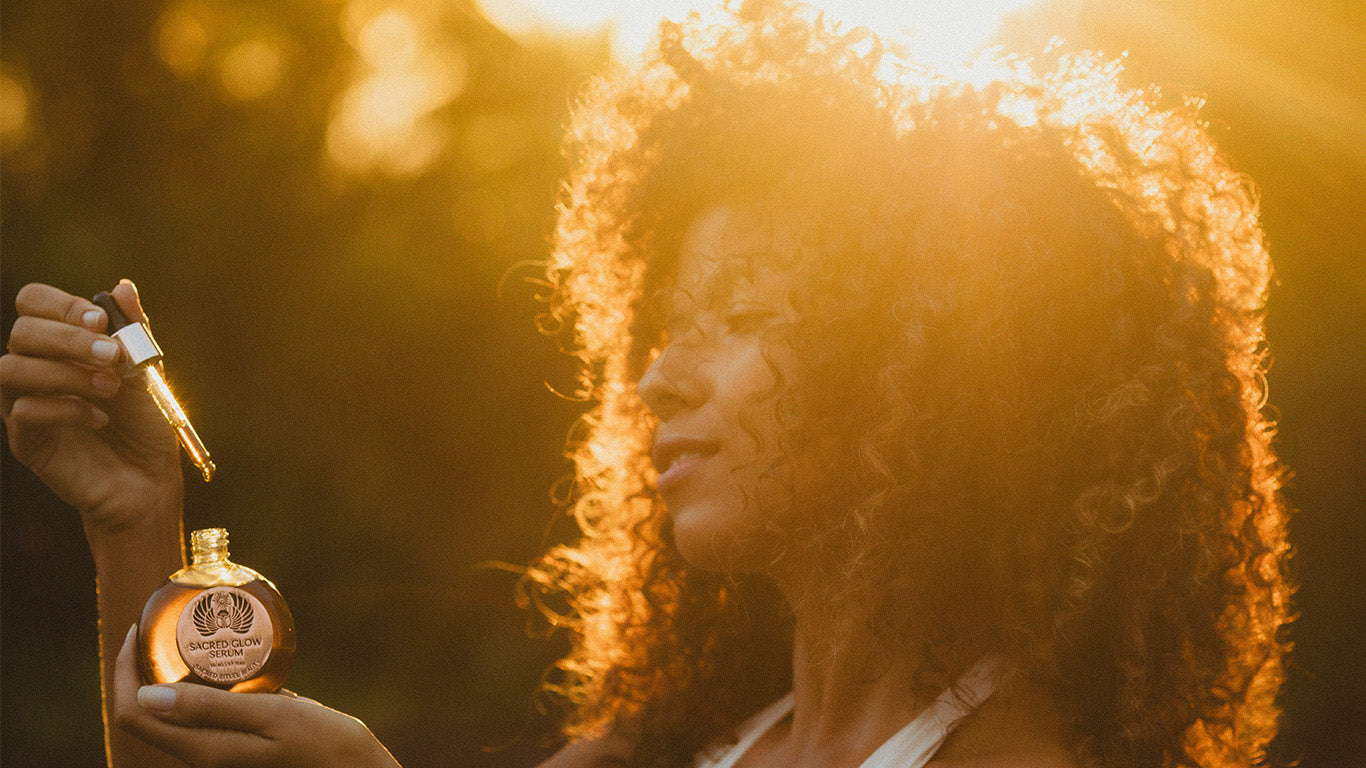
158 697
104 383
104 350
98 418
91 318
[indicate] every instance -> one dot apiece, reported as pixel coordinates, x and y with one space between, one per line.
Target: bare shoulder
1019 727
610 749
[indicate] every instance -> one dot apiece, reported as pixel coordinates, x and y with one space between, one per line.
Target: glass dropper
143 355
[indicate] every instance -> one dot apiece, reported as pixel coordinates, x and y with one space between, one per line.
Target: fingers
41 337
125 671
203 707
208 727
54 324
56 349
151 713
45 301
22 375
38 300
38 380
197 705
47 412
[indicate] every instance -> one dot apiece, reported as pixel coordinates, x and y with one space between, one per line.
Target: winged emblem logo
223 610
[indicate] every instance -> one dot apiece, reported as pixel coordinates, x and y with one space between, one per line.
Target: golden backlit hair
1038 299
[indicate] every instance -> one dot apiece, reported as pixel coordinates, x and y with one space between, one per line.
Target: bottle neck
209 558
209 546
209 564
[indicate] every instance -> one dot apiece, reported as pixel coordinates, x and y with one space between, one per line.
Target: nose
674 382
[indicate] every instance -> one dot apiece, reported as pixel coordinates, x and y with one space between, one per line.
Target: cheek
766 411
762 476
750 384
727 534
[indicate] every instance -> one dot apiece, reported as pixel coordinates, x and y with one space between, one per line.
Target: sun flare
942 33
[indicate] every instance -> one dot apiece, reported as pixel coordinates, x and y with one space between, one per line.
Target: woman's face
716 388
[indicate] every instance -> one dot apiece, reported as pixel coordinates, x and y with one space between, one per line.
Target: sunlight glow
389 41
251 69
15 111
944 34
529 18
385 120
182 37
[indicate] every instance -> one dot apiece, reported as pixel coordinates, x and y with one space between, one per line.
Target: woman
937 405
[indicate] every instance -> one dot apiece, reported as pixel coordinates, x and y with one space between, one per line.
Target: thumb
126 294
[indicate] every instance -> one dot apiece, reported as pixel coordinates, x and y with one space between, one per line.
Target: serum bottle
216 623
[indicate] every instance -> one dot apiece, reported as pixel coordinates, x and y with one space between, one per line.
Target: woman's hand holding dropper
97 441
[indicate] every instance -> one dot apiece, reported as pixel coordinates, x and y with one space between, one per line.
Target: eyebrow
735 269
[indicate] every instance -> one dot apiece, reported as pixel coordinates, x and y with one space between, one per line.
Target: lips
675 457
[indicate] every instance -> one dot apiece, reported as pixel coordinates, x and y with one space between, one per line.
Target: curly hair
1039 299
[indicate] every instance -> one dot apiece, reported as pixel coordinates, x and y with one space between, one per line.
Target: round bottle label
224 635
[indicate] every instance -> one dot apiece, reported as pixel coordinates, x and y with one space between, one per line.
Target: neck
854 687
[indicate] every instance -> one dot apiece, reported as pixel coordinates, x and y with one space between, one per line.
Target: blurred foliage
320 201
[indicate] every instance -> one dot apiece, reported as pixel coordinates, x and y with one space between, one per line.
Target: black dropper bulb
105 300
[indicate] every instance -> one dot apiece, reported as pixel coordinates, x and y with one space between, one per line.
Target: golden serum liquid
216 623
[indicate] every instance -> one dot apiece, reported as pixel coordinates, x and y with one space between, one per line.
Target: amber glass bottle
216 623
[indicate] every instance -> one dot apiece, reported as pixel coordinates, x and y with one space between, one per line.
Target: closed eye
748 319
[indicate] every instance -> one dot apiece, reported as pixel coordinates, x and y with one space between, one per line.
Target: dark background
379 408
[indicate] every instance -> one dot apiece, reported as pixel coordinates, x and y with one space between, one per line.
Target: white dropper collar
136 338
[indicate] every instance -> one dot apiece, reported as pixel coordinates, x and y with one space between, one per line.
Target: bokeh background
332 209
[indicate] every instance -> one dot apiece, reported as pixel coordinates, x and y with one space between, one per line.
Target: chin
729 547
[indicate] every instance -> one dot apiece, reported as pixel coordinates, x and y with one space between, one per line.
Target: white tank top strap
914 745
911 747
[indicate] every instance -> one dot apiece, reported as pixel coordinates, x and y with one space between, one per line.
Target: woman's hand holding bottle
207 727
